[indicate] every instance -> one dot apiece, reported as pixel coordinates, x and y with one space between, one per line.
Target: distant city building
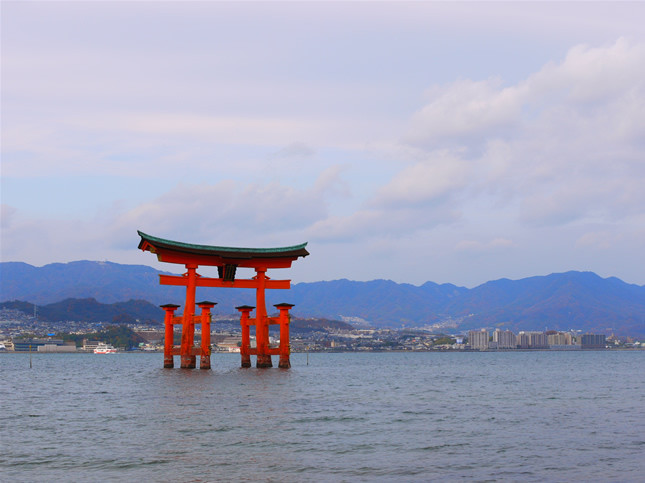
559 338
42 345
532 340
504 339
592 341
522 340
538 340
68 347
478 339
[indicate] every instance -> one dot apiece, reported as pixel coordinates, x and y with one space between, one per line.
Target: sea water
505 416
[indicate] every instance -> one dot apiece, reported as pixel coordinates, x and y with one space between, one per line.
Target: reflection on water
390 416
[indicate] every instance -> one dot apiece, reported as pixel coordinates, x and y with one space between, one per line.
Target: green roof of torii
224 252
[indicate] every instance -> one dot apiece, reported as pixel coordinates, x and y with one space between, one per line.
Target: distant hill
106 282
299 325
382 302
135 311
89 310
558 301
580 300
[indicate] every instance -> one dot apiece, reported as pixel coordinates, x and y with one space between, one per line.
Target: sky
425 141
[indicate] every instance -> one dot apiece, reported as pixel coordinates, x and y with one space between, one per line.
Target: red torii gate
227 260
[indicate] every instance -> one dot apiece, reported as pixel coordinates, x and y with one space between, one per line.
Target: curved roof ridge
211 248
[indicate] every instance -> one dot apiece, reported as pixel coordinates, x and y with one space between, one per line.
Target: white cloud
425 182
225 213
602 240
549 145
211 214
7 214
566 142
388 222
465 111
483 247
295 150
590 75
235 132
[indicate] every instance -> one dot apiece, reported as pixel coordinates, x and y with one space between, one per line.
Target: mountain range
559 301
90 310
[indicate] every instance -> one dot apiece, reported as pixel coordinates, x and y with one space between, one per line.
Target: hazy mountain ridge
581 300
383 302
90 310
557 301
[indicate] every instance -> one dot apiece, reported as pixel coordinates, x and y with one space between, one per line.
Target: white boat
104 349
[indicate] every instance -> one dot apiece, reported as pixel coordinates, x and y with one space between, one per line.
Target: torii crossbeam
227 260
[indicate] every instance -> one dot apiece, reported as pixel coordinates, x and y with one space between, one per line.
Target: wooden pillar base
284 362
188 362
246 360
205 362
168 362
263 361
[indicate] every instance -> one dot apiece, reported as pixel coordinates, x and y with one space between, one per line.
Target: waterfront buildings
532 340
478 339
537 340
42 345
559 338
504 339
592 341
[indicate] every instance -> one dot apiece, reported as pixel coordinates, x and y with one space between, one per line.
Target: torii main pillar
227 260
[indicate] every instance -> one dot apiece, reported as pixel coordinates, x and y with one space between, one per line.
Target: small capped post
205 355
285 348
245 321
168 343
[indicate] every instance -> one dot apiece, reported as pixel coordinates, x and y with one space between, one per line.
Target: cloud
590 75
227 211
390 222
7 214
558 147
599 240
417 197
40 241
563 145
474 246
224 213
465 111
295 150
424 182
213 126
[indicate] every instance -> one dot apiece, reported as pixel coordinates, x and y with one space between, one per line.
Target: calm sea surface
513 416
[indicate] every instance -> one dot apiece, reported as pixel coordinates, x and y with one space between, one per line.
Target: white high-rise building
532 340
559 338
478 339
504 339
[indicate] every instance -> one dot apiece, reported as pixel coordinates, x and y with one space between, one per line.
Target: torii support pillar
205 355
285 348
168 342
261 322
188 359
